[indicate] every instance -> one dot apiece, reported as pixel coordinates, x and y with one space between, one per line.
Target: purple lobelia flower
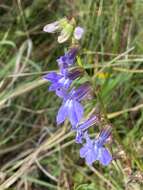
71 107
83 127
78 32
68 59
94 149
64 79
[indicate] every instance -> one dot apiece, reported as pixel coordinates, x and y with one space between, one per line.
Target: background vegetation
34 153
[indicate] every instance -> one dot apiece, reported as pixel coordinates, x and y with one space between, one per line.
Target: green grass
34 153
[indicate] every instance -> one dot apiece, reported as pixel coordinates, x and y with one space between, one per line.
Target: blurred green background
34 153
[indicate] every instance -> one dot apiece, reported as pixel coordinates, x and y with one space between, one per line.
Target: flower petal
53 87
52 27
83 152
75 112
90 158
62 114
78 32
104 156
52 76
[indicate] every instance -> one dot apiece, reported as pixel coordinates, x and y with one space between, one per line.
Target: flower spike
72 97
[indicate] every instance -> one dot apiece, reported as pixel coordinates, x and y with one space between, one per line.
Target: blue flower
71 107
64 79
68 59
57 80
94 149
83 127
